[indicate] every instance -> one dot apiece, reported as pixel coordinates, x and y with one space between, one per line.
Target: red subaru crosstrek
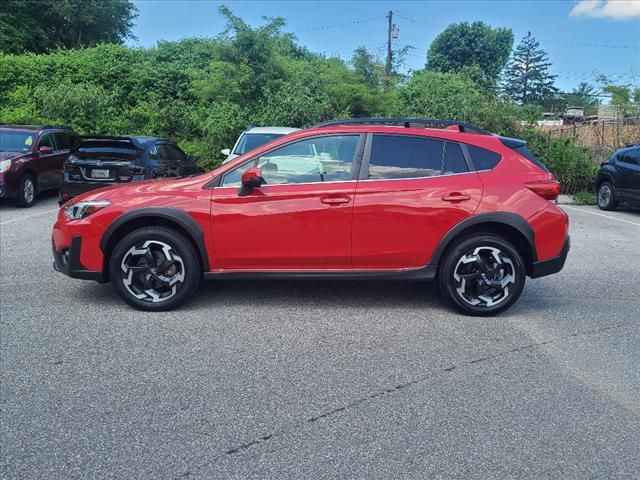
356 198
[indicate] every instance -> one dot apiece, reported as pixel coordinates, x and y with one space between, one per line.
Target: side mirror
251 178
226 152
45 150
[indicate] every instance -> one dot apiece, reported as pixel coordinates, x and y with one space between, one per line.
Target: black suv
619 178
101 161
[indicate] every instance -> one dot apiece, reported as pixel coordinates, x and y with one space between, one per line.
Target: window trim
356 164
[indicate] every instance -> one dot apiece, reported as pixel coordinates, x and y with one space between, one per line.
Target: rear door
49 165
412 191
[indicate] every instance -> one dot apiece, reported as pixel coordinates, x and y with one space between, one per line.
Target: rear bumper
553 265
67 261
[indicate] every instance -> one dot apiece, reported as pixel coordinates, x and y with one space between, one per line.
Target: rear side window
62 140
396 156
454 161
484 159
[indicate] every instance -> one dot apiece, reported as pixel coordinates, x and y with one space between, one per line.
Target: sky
582 38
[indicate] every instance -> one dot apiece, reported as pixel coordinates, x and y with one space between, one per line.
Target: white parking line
28 216
600 215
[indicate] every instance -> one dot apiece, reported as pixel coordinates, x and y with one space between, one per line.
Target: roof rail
406 122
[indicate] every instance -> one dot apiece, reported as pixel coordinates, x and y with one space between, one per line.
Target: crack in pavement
402 386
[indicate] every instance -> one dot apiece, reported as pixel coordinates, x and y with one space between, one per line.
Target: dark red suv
32 159
356 198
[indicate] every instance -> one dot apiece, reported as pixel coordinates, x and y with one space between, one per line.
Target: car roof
276 130
33 128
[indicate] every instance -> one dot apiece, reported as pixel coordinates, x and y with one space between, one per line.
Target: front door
413 190
299 219
628 174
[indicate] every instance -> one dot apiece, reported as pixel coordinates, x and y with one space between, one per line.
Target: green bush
570 164
584 198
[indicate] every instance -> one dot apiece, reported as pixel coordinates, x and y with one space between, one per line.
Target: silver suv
254 137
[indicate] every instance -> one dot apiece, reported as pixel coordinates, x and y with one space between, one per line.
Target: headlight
5 165
79 210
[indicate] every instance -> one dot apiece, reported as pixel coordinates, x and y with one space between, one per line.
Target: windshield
15 141
250 141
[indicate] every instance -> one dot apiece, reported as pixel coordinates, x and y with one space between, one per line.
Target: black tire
148 263
468 267
26 191
607 197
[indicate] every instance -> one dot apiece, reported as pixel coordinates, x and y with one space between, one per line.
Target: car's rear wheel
155 269
26 191
482 275
607 197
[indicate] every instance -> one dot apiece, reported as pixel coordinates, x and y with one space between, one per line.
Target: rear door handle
335 200
456 197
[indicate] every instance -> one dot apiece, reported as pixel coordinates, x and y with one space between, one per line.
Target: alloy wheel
28 190
604 195
483 276
152 271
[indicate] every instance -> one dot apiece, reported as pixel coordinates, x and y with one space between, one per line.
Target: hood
10 155
134 192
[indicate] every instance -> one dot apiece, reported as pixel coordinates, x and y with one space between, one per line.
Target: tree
467 45
42 25
584 96
527 79
625 99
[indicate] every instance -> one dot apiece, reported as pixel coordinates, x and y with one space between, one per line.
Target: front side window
318 159
46 141
630 156
397 156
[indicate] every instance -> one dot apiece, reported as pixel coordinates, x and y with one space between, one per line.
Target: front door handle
456 197
335 200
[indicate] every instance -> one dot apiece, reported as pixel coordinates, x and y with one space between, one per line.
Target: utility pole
389 64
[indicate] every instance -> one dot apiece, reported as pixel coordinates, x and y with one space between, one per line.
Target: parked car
619 178
254 137
31 160
377 198
102 161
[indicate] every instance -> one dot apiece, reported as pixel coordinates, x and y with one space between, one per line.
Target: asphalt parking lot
321 379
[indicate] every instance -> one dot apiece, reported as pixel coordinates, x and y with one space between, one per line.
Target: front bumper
6 192
553 265
67 261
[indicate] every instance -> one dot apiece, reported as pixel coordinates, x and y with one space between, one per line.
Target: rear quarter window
483 159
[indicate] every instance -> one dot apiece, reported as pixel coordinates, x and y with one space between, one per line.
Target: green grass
584 198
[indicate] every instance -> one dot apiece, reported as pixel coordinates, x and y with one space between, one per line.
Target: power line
635 47
338 25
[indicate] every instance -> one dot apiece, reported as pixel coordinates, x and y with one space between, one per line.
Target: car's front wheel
154 269
606 197
482 275
26 191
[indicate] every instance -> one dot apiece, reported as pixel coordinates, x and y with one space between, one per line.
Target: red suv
356 198
31 160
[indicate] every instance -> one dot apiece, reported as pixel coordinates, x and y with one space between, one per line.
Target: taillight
74 172
547 189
